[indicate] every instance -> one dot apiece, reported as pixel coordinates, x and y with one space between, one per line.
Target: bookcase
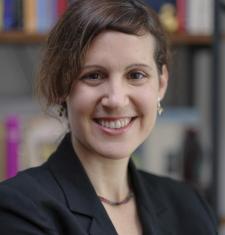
180 103
197 108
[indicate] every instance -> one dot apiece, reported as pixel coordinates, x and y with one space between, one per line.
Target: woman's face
112 106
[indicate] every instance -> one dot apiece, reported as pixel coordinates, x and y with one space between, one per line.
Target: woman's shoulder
173 190
178 195
33 183
25 180
24 201
165 183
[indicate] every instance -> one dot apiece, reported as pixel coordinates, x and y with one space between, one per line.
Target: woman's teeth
115 124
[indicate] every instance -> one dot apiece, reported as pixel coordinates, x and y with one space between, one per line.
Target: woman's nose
116 95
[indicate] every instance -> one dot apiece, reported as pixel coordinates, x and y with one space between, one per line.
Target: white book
200 17
208 17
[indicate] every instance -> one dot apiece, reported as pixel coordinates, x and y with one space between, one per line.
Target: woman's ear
163 81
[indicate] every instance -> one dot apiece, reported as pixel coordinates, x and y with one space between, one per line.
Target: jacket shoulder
35 183
179 196
20 205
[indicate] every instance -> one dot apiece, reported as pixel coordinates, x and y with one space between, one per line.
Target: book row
30 15
27 142
191 16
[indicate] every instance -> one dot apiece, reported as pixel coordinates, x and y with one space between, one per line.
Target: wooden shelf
37 38
21 38
186 39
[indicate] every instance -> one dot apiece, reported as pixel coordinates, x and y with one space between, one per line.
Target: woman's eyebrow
92 66
128 67
139 65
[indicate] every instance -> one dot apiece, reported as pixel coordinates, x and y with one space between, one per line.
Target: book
181 15
18 14
12 11
157 4
42 16
30 16
12 138
2 151
52 7
61 7
1 14
46 15
8 20
199 23
207 17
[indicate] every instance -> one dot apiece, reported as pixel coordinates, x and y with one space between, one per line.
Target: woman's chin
115 153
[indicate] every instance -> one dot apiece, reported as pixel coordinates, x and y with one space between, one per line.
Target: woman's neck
108 176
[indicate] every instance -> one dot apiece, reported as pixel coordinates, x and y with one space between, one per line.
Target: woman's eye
92 78
137 75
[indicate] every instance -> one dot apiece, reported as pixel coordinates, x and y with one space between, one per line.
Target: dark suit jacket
57 198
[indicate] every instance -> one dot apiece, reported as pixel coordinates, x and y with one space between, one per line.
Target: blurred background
188 140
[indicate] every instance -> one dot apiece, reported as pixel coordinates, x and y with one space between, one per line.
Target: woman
106 66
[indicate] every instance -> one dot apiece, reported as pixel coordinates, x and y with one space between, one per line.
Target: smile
114 124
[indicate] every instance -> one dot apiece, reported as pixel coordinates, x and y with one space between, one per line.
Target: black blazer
57 198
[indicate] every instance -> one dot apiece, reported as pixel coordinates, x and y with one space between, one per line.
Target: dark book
12 15
8 15
157 4
18 14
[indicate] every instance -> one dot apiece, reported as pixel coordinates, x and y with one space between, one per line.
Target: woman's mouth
114 125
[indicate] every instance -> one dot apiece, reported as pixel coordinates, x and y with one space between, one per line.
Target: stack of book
196 16
193 16
189 16
30 15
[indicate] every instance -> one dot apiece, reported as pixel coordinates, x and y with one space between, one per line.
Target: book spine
157 4
181 15
42 16
30 15
207 17
53 13
12 128
1 14
196 14
46 15
18 14
61 7
8 15
2 151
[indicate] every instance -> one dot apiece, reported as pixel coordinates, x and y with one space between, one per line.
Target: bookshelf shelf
15 37
36 38
188 39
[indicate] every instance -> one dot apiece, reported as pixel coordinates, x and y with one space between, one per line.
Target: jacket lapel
153 212
82 199
78 190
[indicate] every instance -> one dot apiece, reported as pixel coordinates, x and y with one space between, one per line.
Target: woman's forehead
116 44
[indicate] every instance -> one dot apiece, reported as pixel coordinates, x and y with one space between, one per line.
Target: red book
181 15
61 6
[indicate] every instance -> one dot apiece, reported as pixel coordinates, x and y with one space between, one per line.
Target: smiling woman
115 96
106 64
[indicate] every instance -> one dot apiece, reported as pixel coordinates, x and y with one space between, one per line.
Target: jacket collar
153 211
80 195
82 198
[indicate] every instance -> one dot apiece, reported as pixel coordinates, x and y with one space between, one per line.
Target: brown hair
81 23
